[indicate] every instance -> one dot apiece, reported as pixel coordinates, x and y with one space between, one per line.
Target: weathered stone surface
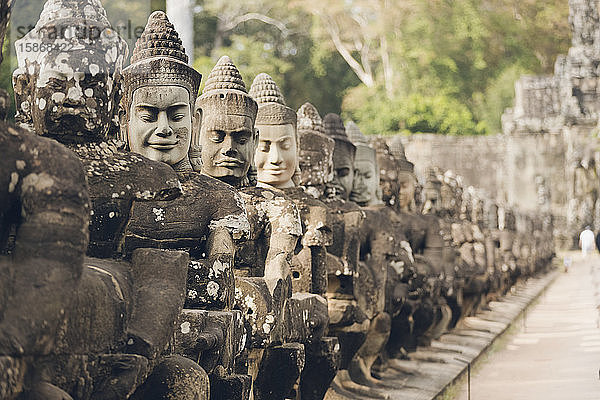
212 338
322 360
288 360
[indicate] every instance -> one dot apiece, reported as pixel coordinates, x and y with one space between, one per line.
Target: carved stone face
160 123
406 195
343 165
315 158
72 96
227 143
276 156
432 200
366 182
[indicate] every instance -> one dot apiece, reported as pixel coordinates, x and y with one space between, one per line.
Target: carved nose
228 148
163 129
74 95
274 156
231 152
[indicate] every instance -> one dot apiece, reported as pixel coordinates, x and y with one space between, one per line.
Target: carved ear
379 193
255 138
196 124
123 126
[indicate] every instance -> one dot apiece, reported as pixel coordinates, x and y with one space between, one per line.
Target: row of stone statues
160 245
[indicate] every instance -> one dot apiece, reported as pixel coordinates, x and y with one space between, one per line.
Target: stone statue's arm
44 269
220 255
434 244
286 229
279 256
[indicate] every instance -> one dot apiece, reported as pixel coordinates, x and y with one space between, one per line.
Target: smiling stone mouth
225 163
163 145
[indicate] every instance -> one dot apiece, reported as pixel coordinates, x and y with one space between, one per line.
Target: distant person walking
587 241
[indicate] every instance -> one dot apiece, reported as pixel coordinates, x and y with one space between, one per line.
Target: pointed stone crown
159 39
315 149
355 135
363 150
309 119
55 11
397 150
271 105
334 128
224 76
225 90
62 20
159 59
388 164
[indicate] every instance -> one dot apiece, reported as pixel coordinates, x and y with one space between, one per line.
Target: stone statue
381 252
423 233
432 193
352 305
343 155
448 211
118 323
156 121
315 152
224 117
58 90
276 155
277 165
32 254
468 239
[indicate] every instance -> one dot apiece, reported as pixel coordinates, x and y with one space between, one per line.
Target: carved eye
264 146
147 116
177 117
217 136
92 82
342 172
56 84
285 145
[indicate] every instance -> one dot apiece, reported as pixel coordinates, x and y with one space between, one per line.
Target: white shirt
587 240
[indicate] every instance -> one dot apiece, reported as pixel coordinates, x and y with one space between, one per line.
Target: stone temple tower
546 103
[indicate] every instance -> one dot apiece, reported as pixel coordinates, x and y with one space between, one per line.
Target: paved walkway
432 370
555 354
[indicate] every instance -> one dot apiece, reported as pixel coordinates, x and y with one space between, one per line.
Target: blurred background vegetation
409 66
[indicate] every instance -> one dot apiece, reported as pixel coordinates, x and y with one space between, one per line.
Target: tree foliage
447 66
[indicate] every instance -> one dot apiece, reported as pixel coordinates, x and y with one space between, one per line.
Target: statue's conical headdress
78 24
397 150
363 150
344 149
159 59
225 89
57 11
69 33
355 135
271 104
309 119
334 128
314 147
